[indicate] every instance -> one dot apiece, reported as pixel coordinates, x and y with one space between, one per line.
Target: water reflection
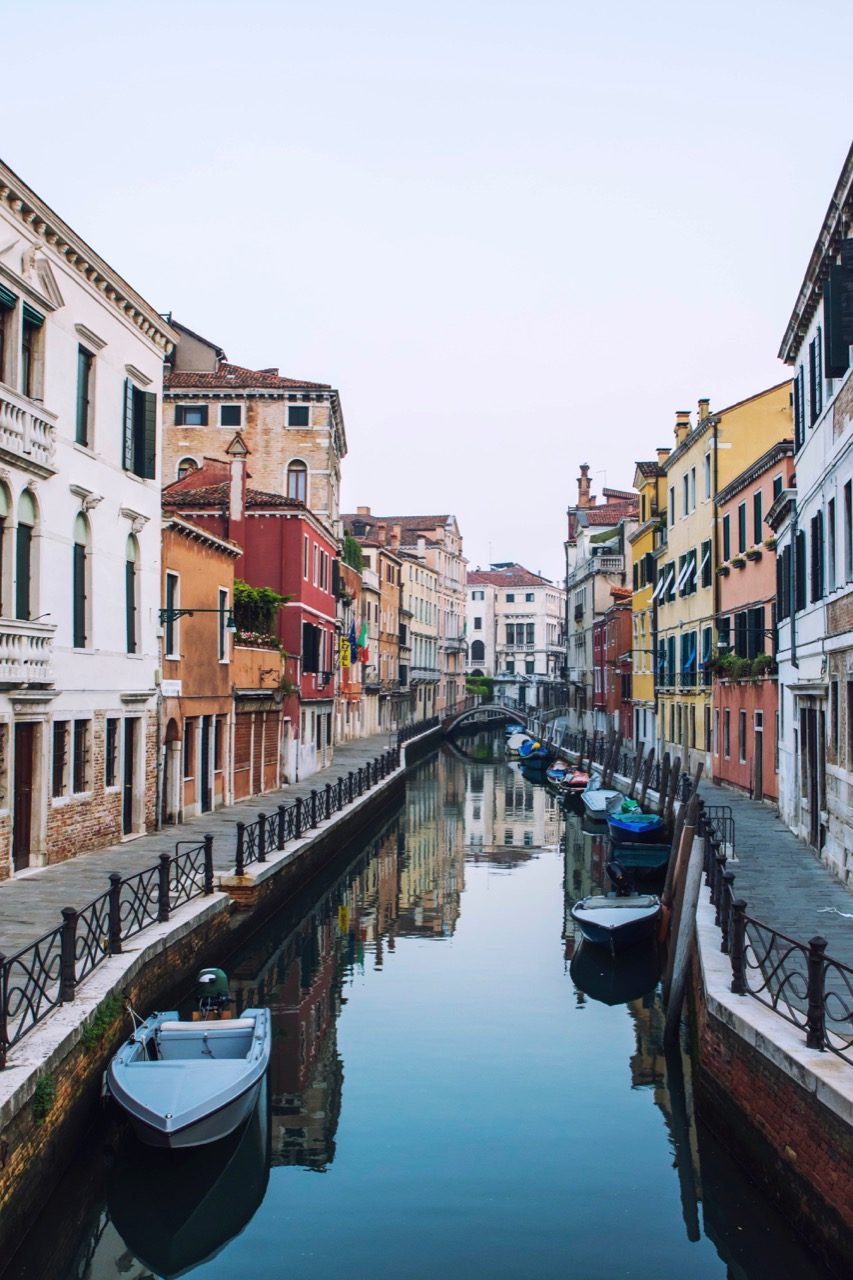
431 1059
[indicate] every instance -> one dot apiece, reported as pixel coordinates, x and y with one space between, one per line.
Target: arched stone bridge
485 711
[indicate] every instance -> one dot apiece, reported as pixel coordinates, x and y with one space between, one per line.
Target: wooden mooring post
647 777
691 854
638 760
664 781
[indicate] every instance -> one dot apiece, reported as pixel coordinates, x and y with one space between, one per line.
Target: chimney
682 425
237 452
396 534
703 410
380 534
422 548
663 454
362 511
584 485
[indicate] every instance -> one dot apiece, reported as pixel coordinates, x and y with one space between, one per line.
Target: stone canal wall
53 1081
785 1111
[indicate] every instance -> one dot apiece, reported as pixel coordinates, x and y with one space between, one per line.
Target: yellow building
705 459
650 483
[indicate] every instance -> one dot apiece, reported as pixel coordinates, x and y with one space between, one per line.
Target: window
79 575
800 571
783 582
81 756
724 634
478 624
510 633
131 569
510 666
31 352
716 731
297 481
706 569
528 666
140 431
85 364
671 505
190 415
478 651
799 409
186 467
850 726
222 628
727 537
833 719
23 556
757 517
305 557
528 596
741 736
299 415
8 303
706 469
755 631
685 496
478 595
830 540
777 487
741 527
60 753
510 597
111 752
727 733
815 379
171 622
230 415
848 530
741 633
530 633
817 557
692 488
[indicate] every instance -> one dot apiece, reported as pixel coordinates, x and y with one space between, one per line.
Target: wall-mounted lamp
171 615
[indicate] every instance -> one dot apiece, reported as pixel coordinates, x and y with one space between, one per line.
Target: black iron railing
417 727
271 831
796 979
47 972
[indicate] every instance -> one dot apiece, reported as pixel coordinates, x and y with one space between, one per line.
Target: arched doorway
172 782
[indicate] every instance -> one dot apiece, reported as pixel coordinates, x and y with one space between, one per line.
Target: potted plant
723 665
770 544
741 668
763 665
723 570
754 553
739 562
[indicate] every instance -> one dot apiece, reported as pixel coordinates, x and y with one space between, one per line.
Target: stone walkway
784 883
32 902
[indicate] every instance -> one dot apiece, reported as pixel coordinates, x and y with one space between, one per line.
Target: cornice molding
39 221
91 339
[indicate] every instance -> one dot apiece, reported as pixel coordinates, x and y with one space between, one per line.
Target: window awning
7 298
31 316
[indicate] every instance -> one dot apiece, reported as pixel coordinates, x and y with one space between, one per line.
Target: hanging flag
362 636
353 643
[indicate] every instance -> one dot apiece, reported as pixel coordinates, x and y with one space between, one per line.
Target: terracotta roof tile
178 497
649 469
513 576
229 377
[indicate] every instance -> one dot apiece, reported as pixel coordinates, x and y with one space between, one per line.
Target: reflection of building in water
505 813
585 862
432 865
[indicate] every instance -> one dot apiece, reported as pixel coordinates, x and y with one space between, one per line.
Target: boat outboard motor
620 879
212 993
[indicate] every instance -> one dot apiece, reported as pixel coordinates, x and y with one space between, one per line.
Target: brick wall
796 1148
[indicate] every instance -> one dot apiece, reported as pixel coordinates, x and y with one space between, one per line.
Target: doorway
127 778
204 765
22 822
758 756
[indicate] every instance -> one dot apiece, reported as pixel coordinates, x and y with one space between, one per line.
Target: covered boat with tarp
628 824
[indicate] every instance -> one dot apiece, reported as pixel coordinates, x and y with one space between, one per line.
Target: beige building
294 429
420 598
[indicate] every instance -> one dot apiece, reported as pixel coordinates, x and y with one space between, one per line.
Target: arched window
5 509
478 651
297 481
131 569
186 467
80 584
23 556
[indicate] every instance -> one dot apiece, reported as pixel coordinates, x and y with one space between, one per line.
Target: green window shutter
149 461
127 454
79 590
23 544
32 316
84 374
836 351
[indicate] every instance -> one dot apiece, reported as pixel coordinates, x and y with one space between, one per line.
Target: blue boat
644 860
635 828
513 728
533 750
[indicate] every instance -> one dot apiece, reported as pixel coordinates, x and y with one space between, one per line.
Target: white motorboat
596 799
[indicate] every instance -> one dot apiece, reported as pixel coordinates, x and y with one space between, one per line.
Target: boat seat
643 900
209 1028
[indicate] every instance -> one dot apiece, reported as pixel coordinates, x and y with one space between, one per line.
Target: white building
81 359
814 527
515 633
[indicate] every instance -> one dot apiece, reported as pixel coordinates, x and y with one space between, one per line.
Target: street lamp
168 615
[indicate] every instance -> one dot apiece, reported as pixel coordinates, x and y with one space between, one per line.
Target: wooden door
257 754
204 792
22 822
127 779
758 764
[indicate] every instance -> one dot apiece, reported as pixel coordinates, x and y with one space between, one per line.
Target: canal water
456 1088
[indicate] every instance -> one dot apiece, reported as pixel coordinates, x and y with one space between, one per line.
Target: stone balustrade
27 432
26 652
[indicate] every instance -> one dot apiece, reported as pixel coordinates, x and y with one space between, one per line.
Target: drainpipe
795 662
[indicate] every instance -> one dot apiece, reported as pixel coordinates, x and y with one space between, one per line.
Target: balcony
424 675
26 653
454 644
578 612
610 564
27 433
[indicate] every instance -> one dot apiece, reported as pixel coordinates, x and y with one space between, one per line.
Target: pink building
745 695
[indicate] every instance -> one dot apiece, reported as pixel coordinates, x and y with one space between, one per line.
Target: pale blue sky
516 237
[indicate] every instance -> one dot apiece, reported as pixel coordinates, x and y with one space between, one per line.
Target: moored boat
646 859
616 979
576 780
635 828
184 1084
596 799
533 750
513 743
617 921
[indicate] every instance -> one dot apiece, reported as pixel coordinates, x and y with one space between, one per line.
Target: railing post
4 1030
115 914
328 799
816 1024
163 903
726 911
349 786
239 862
737 946
340 795
297 819
313 808
719 868
262 837
68 964
208 864
281 821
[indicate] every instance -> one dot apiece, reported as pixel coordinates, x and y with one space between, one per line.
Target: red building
599 668
618 661
287 548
